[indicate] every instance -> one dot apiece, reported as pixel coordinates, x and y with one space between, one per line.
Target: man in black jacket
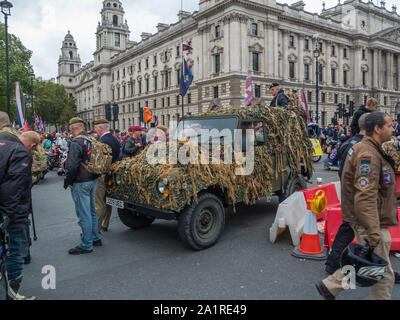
134 144
15 202
104 211
83 186
372 105
280 99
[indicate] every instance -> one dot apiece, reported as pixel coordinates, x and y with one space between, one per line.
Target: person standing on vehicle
280 99
15 203
372 105
104 211
369 202
83 188
133 145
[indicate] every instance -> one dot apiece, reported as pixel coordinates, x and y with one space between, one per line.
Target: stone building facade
360 58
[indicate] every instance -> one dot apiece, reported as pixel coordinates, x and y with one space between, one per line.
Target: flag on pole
37 121
249 96
21 119
304 106
41 128
186 78
187 47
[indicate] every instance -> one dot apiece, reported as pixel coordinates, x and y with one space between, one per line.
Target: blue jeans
83 195
18 246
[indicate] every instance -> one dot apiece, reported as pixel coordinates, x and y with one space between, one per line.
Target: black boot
13 288
28 258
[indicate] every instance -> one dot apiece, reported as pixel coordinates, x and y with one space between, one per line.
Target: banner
21 119
249 96
186 78
304 106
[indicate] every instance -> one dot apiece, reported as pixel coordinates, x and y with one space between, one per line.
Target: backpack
100 159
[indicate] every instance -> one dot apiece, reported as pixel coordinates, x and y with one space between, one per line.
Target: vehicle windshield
206 127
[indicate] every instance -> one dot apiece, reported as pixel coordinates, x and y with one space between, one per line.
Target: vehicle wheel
201 225
134 220
3 282
295 183
316 159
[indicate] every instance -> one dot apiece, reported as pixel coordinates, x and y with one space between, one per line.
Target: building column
327 51
245 54
340 67
236 50
269 49
357 66
374 74
300 58
275 60
226 55
389 68
285 63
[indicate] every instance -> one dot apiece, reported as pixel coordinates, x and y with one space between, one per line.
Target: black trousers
344 237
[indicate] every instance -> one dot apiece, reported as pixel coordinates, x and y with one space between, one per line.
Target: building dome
69 36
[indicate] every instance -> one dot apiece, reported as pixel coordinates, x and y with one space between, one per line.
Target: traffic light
141 114
108 112
351 108
340 110
115 111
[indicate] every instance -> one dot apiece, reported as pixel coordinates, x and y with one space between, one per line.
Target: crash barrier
292 212
310 247
398 186
334 221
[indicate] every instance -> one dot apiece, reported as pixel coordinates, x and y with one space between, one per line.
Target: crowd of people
367 174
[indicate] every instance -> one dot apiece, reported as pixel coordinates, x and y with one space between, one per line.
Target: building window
255 62
309 96
71 68
155 59
117 39
139 66
345 53
291 41
155 104
155 83
333 51
323 97
291 70
177 100
115 20
320 47
254 29
364 78
321 73
345 77
217 63
178 51
306 44
336 99
189 98
140 87
218 31
333 75
147 85
306 72
384 101
166 55
147 63
216 93
166 80
257 91
71 55
363 54
168 101
178 77
163 102
347 99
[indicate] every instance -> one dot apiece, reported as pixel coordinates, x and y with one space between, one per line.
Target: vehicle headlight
118 179
162 184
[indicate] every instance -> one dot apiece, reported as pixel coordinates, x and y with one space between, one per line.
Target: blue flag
186 78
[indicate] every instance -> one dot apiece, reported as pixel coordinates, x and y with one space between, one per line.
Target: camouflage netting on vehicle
286 143
39 164
392 151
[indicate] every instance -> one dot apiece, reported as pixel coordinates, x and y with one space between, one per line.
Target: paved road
154 264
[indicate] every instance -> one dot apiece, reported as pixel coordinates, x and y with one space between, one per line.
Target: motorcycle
53 157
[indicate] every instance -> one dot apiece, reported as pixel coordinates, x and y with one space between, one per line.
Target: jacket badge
363 183
364 169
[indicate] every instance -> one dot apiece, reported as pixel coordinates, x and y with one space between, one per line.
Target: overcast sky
43 24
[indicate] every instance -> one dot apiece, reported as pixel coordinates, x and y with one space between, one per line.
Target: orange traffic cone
310 246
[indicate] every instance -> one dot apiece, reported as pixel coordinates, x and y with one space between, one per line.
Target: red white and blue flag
186 47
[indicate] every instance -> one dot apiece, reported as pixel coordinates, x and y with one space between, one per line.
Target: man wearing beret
104 211
134 144
83 187
280 99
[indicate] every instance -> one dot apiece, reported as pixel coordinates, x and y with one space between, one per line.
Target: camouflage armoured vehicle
196 193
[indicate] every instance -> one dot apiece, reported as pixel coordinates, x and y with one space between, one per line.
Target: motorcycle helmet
369 267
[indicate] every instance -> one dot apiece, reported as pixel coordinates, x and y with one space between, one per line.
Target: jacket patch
366 161
387 176
351 151
2 144
363 183
364 169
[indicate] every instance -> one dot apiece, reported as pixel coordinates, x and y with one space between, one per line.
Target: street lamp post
317 53
6 10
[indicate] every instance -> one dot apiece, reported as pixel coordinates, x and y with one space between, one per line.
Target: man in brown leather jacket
369 202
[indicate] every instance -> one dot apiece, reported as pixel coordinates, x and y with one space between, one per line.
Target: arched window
115 20
71 55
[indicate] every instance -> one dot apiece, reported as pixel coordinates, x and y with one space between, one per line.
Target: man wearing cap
134 144
280 99
104 211
83 187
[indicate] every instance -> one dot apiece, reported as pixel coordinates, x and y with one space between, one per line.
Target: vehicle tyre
134 220
201 225
316 159
295 183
